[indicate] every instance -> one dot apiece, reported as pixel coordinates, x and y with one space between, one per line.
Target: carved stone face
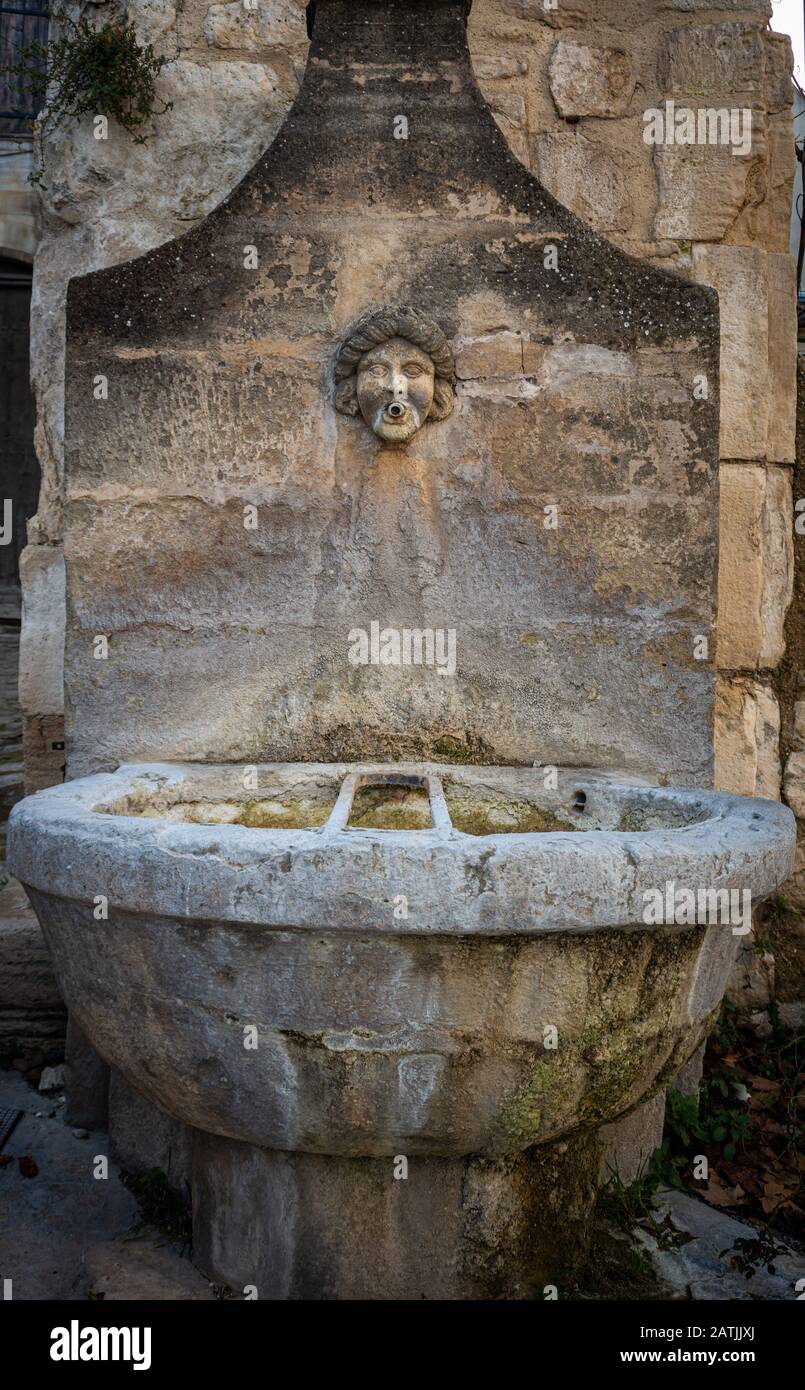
395 385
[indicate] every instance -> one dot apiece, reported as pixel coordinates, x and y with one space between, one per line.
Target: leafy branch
88 71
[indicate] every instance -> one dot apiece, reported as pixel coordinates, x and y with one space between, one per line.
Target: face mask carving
395 389
396 371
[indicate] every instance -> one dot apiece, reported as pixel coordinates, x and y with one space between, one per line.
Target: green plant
780 1034
720 1122
627 1205
90 71
715 1120
725 1032
633 1205
160 1206
750 1253
681 1123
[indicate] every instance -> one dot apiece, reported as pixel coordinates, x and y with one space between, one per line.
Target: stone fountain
391 539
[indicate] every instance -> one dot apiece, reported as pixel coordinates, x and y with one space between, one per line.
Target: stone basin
431 991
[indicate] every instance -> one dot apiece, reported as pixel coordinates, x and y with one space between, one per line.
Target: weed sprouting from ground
160 1206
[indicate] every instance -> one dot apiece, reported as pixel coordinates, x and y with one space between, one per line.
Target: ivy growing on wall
102 72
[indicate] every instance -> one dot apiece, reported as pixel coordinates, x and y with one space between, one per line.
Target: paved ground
704 1268
63 1232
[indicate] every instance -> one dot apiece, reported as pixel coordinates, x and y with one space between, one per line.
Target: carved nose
395 410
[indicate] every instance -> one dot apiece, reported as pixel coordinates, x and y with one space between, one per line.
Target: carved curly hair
374 329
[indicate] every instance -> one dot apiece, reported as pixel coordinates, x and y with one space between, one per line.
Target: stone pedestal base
309 1226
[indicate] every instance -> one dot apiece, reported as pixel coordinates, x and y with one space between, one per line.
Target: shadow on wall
19 492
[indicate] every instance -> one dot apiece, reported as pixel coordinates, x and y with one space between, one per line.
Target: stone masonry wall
568 87
575 390
785 920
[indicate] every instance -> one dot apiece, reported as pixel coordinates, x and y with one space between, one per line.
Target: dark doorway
19 493
19 469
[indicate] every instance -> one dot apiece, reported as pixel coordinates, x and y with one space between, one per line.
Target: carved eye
377 370
413 369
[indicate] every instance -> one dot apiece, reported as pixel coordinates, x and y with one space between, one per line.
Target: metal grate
20 23
9 1119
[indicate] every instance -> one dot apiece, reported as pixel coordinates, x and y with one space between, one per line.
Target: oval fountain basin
410 959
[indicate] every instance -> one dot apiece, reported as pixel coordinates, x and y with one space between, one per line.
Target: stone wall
17 233
785 920
575 392
568 88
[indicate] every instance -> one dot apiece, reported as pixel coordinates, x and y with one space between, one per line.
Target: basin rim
453 883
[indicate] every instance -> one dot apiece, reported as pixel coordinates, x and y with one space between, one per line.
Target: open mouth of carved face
397 420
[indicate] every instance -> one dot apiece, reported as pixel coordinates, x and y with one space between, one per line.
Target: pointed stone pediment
232 529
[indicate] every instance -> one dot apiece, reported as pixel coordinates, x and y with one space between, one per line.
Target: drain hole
579 802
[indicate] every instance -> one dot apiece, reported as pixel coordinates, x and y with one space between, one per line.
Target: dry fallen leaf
762 1083
722 1196
776 1191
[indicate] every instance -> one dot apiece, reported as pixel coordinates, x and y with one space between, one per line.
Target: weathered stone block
490 67
504 355
590 81
41 678
569 14
627 1144
688 1078
779 66
751 986
755 577
782 337
778 563
143 1271
143 1136
740 275
795 783
31 1008
267 23
747 736
154 23
241 386
762 7
740 566
510 108
714 62
587 176
702 188
510 113
311 1226
86 1080
43 746
769 224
